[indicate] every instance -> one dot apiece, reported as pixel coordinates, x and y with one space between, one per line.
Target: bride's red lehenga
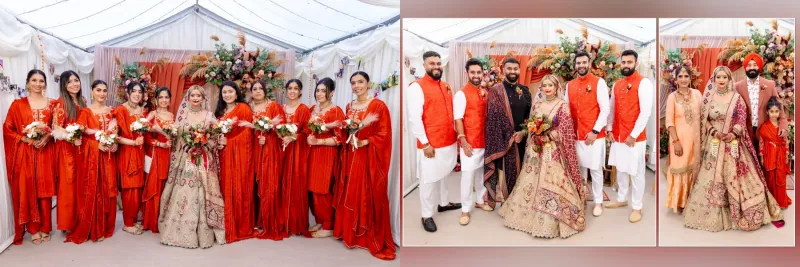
361 194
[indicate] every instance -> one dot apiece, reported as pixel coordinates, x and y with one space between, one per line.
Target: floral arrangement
127 73
237 64
170 130
195 138
106 138
286 130
264 124
492 71
790 137
663 141
36 130
74 132
675 58
317 125
776 50
560 59
353 125
140 126
537 125
224 126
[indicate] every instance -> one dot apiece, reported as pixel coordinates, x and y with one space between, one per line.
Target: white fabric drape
379 52
413 48
21 50
383 3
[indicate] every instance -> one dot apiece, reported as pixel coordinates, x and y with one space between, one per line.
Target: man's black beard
627 71
435 77
512 80
475 83
752 74
583 71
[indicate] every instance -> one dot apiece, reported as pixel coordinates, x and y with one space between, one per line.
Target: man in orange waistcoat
631 102
756 93
587 96
469 108
430 111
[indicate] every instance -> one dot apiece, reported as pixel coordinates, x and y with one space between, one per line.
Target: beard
475 81
512 78
752 74
627 71
583 71
435 76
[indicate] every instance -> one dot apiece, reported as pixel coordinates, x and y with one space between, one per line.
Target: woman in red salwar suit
158 148
236 169
361 198
97 173
324 157
295 163
267 164
66 113
29 162
774 152
130 158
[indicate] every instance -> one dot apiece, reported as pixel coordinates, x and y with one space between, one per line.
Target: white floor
486 229
124 249
672 233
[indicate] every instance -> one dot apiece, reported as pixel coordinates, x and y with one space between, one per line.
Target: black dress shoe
429 225
450 206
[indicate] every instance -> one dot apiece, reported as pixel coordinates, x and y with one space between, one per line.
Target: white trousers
597 183
428 194
638 188
468 180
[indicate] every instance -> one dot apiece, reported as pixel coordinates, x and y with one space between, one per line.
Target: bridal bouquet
195 138
74 132
224 126
287 130
106 138
140 126
264 124
538 126
353 125
317 125
36 130
170 130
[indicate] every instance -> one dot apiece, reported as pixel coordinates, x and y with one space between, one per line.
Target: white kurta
593 156
429 170
631 159
476 161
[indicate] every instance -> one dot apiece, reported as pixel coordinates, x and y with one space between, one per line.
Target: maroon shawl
499 144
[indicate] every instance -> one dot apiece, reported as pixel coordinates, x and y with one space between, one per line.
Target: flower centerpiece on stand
127 73
560 59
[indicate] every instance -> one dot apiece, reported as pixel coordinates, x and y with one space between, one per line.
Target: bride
548 199
192 213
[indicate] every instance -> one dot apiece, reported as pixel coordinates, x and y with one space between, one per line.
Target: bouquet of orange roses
195 138
538 126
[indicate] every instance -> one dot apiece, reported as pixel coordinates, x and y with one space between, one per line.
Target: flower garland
675 58
41 47
560 59
236 64
313 77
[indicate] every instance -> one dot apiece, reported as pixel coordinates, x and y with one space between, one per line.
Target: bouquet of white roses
140 126
224 126
106 138
287 130
36 130
74 132
264 124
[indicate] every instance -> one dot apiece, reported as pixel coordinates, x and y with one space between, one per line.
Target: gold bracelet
460 135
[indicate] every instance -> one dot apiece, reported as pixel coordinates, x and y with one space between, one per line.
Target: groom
756 93
631 101
587 96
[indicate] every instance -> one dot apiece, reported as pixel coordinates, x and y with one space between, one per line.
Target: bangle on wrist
460 135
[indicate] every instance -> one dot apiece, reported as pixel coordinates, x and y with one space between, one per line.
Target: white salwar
430 171
471 167
591 158
630 161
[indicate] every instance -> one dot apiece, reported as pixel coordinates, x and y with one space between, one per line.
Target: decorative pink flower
127 82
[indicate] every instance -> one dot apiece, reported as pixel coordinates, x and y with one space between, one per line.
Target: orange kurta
775 157
325 160
96 183
236 176
361 196
30 171
67 161
267 166
156 178
295 175
131 165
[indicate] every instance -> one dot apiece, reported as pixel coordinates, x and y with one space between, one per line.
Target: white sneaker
598 210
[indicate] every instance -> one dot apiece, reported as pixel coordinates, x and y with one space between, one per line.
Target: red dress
295 175
322 175
131 165
31 175
236 176
361 195
155 180
775 157
96 183
267 167
67 162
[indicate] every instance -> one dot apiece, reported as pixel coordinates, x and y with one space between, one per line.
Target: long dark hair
33 72
330 86
158 92
66 96
221 105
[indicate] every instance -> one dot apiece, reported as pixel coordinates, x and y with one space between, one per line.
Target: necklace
722 92
551 99
362 101
685 96
195 110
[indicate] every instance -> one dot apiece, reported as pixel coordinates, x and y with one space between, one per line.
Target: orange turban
756 57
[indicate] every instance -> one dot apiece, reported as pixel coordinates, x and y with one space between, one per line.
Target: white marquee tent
452 37
313 35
